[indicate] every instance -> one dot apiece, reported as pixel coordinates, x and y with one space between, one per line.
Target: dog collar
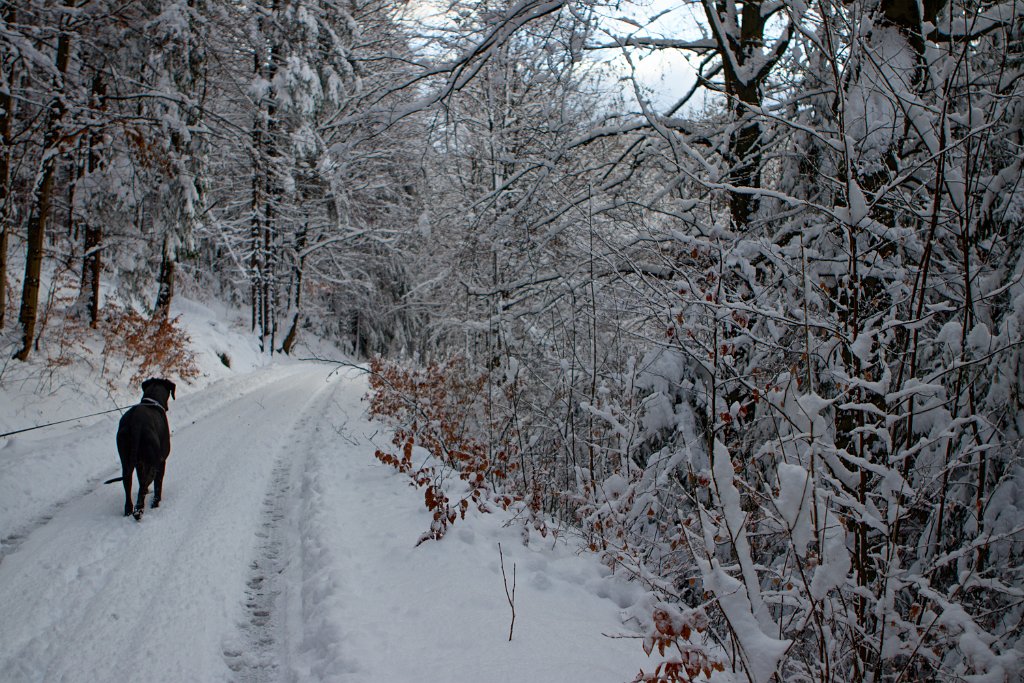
152 402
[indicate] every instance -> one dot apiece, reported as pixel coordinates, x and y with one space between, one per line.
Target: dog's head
158 389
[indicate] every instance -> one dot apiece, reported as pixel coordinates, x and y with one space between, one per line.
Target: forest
753 330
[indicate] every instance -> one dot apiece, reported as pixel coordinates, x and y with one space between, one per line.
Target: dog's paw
128 509
138 513
155 503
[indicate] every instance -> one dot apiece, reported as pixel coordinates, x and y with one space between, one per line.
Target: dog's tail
111 481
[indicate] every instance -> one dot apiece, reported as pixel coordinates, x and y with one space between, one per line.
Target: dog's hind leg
124 451
126 480
158 484
145 473
127 494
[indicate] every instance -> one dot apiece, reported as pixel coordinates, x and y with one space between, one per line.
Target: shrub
441 409
157 346
671 629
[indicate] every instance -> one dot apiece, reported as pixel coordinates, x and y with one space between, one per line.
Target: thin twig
510 596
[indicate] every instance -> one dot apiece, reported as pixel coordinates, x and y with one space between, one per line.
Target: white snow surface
283 551
794 504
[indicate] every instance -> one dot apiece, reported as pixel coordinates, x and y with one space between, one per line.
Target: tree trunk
255 269
5 213
293 331
744 158
43 202
266 312
743 86
3 272
34 249
6 119
260 207
92 266
92 263
165 282
266 190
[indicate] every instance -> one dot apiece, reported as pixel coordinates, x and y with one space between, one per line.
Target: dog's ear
170 384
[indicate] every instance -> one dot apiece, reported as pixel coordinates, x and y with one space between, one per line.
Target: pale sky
664 75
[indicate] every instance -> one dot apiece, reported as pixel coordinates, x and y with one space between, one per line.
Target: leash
58 422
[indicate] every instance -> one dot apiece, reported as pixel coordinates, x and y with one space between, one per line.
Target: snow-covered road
282 552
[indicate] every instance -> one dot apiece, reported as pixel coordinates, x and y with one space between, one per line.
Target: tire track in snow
322 590
260 651
256 658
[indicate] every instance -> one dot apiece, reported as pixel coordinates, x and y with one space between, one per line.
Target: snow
858 208
794 504
283 550
861 346
976 24
762 652
980 339
869 106
951 335
836 563
740 601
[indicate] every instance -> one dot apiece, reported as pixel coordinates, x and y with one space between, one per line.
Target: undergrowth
447 424
127 341
155 346
437 410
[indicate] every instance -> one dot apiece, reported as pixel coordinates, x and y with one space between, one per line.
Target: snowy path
284 552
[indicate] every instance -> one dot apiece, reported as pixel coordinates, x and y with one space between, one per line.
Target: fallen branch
510 596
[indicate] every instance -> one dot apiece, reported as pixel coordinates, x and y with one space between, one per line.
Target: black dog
144 442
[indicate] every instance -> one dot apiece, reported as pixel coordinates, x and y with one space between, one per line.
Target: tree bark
743 87
92 259
92 267
3 272
165 282
6 121
293 331
43 202
34 249
265 189
6 118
